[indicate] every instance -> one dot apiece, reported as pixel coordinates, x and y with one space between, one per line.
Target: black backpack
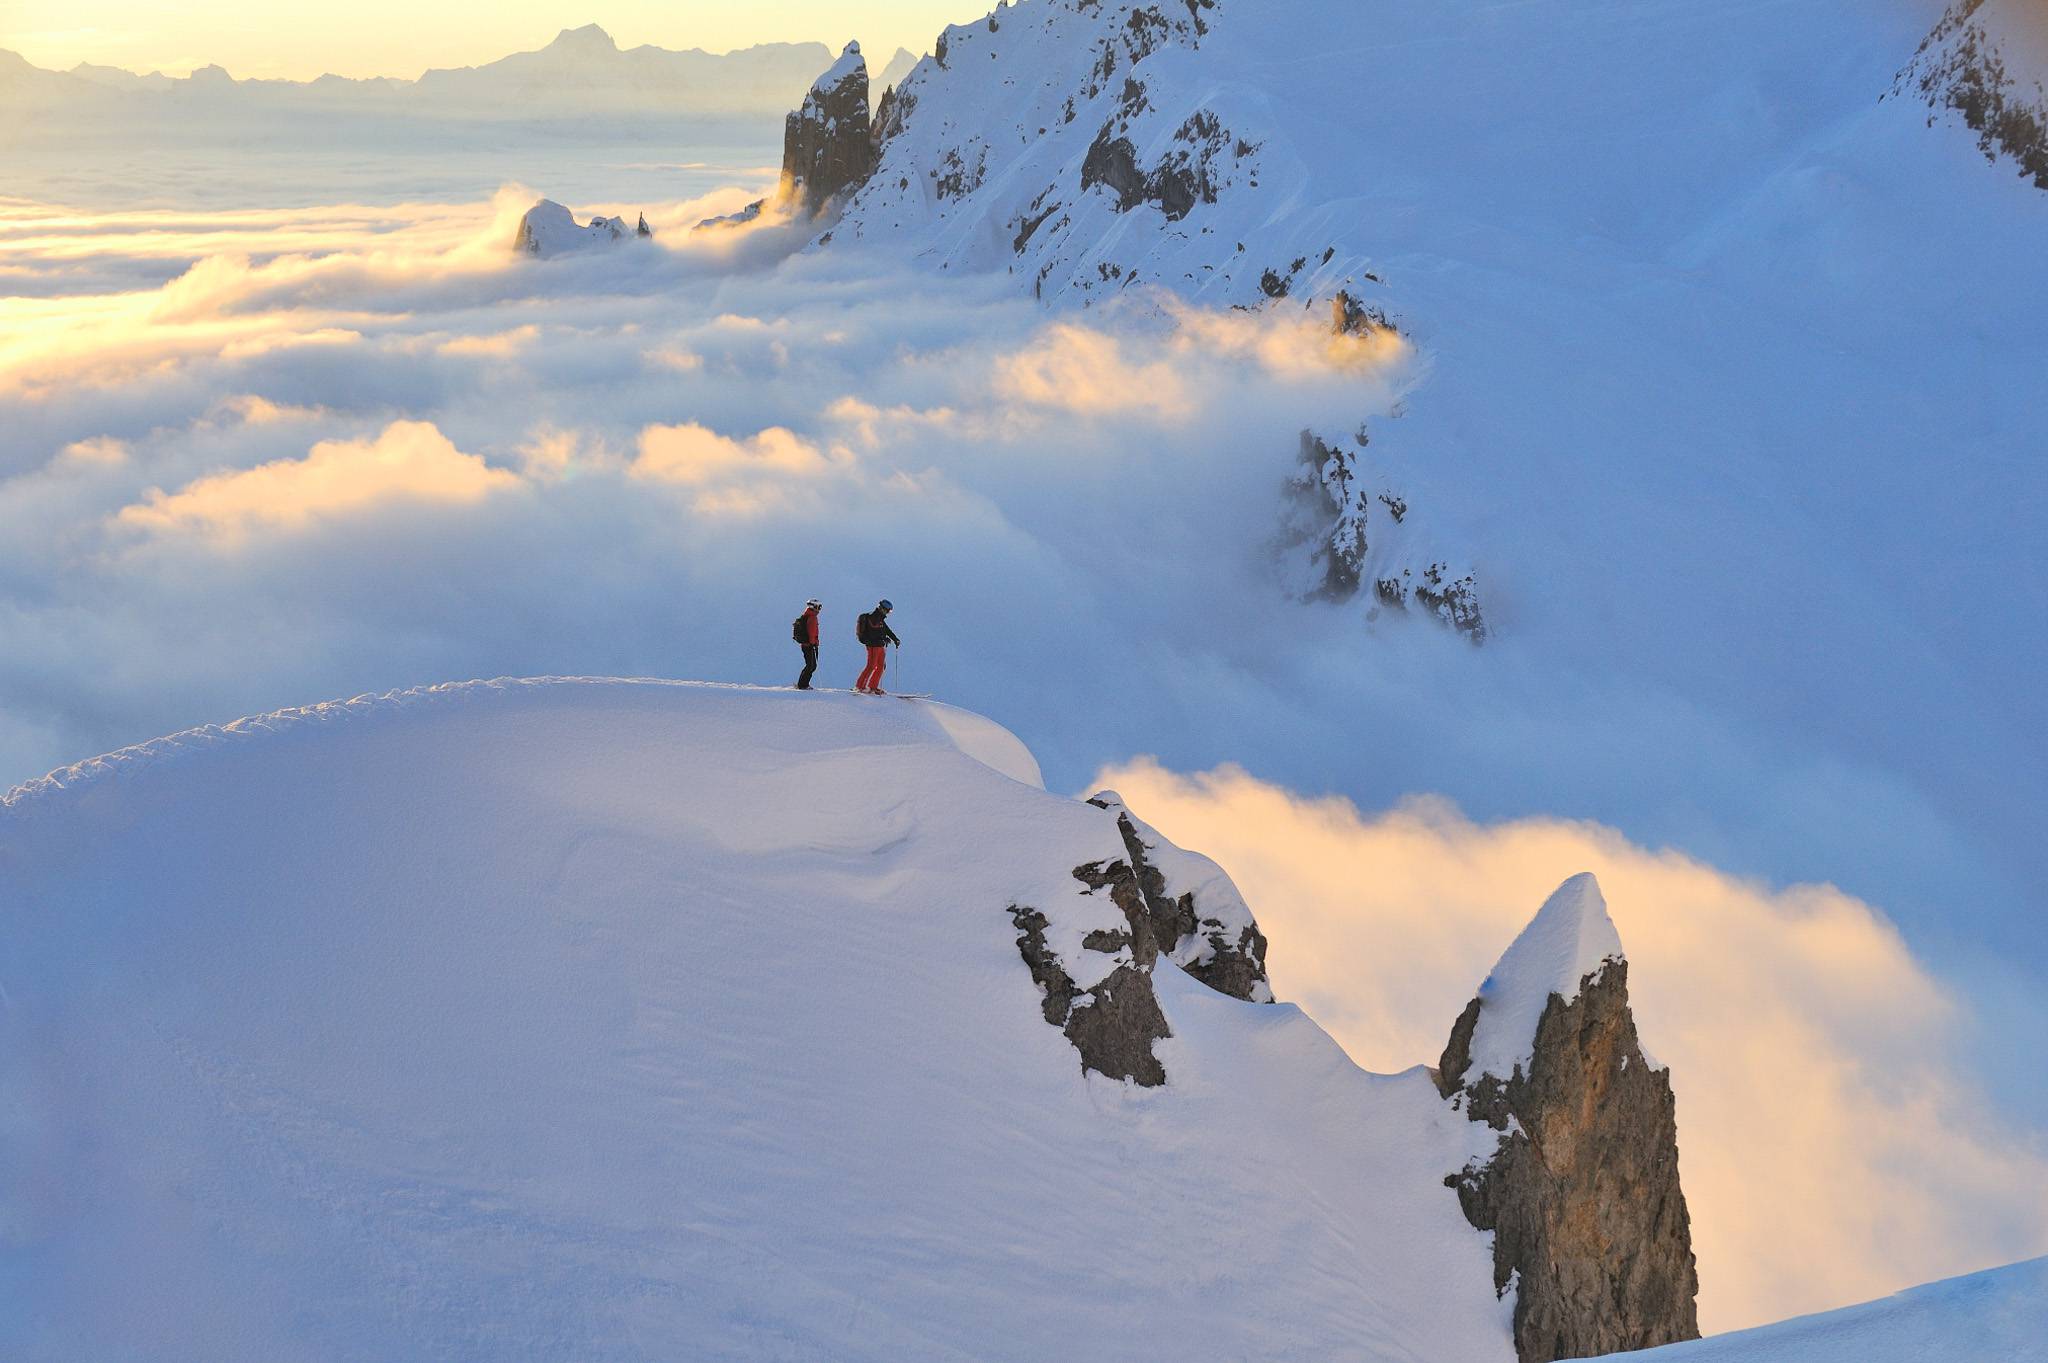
800 629
860 626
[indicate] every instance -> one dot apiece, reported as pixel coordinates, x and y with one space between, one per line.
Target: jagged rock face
1187 908
1975 63
1582 1195
1347 526
827 147
1028 132
1162 902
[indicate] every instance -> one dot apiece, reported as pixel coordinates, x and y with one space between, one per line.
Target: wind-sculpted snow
599 1019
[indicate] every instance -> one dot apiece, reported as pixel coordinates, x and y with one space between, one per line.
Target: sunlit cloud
694 455
251 409
99 449
410 462
1077 368
497 345
1290 343
1828 1151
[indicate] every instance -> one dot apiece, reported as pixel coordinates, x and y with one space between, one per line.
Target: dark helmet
884 605
814 604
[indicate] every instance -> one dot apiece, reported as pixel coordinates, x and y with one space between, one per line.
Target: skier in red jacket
874 631
805 630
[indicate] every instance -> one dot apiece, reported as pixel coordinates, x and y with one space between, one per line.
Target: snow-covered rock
1987 62
1581 1191
547 229
609 1020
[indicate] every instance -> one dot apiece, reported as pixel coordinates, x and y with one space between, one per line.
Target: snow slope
624 1019
1998 1316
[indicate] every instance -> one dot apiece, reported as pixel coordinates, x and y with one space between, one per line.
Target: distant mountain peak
590 37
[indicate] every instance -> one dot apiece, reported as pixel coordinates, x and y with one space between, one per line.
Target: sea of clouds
253 457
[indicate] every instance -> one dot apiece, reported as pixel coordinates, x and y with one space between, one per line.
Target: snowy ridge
987 741
601 1019
1569 942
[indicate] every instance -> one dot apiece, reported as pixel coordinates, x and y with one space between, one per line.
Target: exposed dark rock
1582 1193
1453 600
1043 964
1350 317
1184 177
1031 223
887 120
827 149
1229 957
1331 524
1331 530
1112 1024
1113 161
1115 1026
1959 67
1113 1020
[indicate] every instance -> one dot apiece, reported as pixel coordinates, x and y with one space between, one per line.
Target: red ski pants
878 660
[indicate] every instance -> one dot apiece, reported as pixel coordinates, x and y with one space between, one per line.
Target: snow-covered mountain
1360 162
603 1019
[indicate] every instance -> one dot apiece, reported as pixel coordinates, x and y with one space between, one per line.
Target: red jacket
812 616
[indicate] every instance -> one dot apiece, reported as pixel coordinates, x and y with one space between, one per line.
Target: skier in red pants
874 631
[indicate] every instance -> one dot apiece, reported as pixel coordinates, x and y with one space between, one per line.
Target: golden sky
402 37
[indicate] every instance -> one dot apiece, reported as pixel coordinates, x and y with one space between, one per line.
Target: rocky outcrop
547 229
1582 1193
827 147
1971 63
1094 968
1112 1022
1346 526
1182 906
